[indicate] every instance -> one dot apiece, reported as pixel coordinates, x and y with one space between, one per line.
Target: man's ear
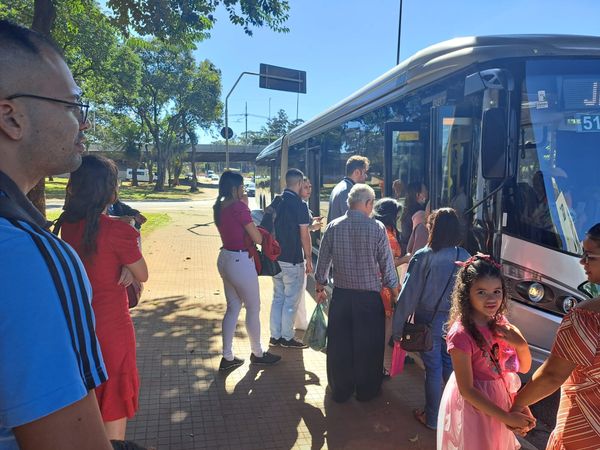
11 121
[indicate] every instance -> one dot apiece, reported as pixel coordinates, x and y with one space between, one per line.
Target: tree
199 105
182 21
279 125
190 20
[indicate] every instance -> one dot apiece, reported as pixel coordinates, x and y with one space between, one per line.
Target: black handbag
418 337
269 268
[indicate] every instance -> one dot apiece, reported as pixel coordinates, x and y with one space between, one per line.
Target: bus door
451 161
313 172
404 158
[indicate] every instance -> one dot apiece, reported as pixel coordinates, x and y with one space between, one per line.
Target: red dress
117 245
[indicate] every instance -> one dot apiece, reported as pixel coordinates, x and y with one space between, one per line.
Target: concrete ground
186 403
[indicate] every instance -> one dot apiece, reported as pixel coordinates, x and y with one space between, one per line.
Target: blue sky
344 44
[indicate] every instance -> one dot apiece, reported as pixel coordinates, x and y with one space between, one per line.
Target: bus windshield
558 188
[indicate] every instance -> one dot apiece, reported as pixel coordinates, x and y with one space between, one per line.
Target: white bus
506 126
142 174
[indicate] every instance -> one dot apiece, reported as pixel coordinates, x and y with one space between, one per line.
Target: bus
502 128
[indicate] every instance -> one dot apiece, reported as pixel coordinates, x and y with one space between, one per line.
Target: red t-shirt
232 220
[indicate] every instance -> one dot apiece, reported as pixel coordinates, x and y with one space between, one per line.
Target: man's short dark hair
17 45
293 177
356 162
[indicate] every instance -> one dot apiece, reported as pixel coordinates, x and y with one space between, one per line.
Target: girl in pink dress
486 352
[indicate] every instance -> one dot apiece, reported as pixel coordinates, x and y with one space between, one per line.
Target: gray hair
360 193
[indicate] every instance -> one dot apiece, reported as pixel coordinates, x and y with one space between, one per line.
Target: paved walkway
185 403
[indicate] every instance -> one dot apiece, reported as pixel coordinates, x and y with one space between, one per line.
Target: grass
56 189
155 221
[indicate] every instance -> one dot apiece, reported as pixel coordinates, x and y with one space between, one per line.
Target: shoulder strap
437 305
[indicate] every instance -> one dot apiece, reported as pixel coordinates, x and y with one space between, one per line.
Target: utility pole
399 33
246 114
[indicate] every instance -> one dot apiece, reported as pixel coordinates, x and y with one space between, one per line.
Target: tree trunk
134 180
194 187
44 14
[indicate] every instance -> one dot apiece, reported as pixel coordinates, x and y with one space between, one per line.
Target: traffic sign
226 132
282 79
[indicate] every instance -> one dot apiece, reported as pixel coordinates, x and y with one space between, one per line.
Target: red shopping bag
398 356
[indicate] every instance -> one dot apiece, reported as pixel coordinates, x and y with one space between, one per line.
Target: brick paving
185 403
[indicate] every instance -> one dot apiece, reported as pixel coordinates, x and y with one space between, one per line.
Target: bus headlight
566 303
535 292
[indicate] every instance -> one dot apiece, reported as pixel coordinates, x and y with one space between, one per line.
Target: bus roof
432 63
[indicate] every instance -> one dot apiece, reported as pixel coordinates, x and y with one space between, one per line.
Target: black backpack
268 220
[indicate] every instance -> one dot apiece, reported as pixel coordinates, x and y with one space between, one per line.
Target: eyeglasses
587 257
83 107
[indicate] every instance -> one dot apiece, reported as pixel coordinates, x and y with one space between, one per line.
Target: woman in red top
236 267
112 258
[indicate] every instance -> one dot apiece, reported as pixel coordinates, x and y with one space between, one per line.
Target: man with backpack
291 227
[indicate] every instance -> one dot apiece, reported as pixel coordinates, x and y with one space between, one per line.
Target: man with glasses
357 168
50 360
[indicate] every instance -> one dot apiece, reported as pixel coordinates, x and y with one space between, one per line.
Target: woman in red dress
112 258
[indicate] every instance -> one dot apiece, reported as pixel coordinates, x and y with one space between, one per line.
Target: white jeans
287 287
241 287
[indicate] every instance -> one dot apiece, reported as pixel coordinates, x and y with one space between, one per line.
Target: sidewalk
185 403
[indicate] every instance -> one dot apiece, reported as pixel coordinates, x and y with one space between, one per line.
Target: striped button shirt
49 354
359 250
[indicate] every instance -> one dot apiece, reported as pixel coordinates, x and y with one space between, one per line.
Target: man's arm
385 259
325 256
307 247
75 427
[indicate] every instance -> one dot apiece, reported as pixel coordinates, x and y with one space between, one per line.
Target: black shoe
292 343
228 365
267 359
275 342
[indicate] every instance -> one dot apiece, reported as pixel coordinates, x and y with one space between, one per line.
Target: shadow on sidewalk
186 403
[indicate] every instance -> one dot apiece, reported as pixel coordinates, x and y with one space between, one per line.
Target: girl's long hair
411 205
90 189
461 309
227 183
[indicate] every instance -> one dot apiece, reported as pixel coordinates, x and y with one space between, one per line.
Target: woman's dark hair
386 211
461 310
444 229
90 189
411 205
594 233
227 183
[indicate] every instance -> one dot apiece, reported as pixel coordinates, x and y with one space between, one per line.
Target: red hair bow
477 256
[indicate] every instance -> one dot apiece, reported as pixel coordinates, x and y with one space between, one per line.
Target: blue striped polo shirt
49 353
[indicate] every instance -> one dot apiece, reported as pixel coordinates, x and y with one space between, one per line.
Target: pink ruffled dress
461 426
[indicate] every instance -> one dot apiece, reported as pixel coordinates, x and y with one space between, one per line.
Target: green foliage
191 20
279 125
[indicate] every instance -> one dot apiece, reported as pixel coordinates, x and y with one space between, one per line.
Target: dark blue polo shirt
292 212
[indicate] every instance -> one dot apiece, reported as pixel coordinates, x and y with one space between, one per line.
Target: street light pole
227 116
275 77
399 31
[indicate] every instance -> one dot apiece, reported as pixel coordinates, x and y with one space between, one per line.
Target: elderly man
358 247
50 360
356 172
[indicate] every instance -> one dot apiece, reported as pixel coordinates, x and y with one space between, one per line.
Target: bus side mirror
493 144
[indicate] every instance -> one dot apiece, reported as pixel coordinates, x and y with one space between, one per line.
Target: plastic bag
398 357
316 332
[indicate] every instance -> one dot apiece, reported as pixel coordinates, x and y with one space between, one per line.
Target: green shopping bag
316 332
